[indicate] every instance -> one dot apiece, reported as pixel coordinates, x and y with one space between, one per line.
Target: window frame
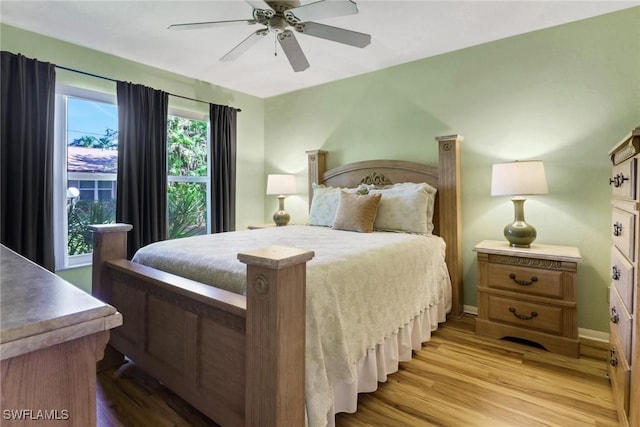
202 117
63 260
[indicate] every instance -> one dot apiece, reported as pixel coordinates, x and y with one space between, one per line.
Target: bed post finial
316 166
450 214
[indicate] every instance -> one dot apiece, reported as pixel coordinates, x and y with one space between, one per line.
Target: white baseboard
469 309
582 332
593 335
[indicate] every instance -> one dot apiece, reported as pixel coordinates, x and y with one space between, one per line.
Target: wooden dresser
529 293
624 301
51 335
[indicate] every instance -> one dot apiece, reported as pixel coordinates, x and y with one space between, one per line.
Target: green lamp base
519 234
281 218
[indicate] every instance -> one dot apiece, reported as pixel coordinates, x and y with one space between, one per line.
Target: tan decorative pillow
356 212
325 204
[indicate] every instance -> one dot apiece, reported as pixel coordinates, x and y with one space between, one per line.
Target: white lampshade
281 184
518 178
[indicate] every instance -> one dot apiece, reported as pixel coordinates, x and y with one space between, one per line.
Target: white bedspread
361 289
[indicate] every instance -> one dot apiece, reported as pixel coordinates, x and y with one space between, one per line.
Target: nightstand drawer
623 232
623 179
528 315
526 280
622 278
620 323
619 373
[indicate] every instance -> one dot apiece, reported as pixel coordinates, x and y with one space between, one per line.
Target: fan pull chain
275 46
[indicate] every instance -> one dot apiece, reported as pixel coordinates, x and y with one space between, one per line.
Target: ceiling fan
280 17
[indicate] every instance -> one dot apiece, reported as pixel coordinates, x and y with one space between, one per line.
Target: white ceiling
402 31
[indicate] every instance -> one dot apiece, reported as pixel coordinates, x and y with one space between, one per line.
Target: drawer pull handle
523 282
523 316
617 229
618 180
615 317
615 272
613 360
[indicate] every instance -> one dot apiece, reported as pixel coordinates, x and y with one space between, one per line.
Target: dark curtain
141 198
223 168
27 100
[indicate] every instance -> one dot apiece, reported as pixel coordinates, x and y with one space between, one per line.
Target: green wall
81 277
250 137
564 95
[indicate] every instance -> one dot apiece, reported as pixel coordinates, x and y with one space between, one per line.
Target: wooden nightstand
266 225
529 293
259 226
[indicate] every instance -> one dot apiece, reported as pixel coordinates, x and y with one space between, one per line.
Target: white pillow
406 207
325 204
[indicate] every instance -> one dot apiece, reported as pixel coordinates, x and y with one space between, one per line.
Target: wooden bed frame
240 360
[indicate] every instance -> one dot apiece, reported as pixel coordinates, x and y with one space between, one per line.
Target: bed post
109 243
275 336
316 161
450 215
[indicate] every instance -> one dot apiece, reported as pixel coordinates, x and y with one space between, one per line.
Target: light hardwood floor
458 379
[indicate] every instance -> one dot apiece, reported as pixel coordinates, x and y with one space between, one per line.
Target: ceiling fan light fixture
277 24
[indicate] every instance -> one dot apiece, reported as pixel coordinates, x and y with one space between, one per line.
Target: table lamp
517 179
281 185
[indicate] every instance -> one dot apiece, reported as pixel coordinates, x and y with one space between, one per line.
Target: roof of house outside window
91 160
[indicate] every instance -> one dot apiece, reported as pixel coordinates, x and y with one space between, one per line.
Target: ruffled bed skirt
384 359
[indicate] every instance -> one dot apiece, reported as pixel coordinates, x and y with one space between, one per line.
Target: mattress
363 289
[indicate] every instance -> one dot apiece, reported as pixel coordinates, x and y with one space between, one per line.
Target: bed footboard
239 360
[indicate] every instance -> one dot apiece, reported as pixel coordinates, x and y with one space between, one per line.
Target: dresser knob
613 359
523 282
617 229
618 180
615 272
615 317
523 316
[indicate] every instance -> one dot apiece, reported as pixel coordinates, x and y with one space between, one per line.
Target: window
85 170
86 160
188 177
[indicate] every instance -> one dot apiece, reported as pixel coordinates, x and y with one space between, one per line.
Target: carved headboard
378 172
445 177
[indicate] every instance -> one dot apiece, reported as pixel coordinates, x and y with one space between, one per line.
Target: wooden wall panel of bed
240 360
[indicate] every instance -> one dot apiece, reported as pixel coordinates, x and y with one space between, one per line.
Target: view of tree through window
188 177
87 132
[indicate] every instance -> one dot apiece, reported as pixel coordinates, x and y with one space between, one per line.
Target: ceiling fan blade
294 52
199 25
258 4
335 34
320 10
244 45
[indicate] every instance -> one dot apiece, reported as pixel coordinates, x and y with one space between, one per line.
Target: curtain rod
116 81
